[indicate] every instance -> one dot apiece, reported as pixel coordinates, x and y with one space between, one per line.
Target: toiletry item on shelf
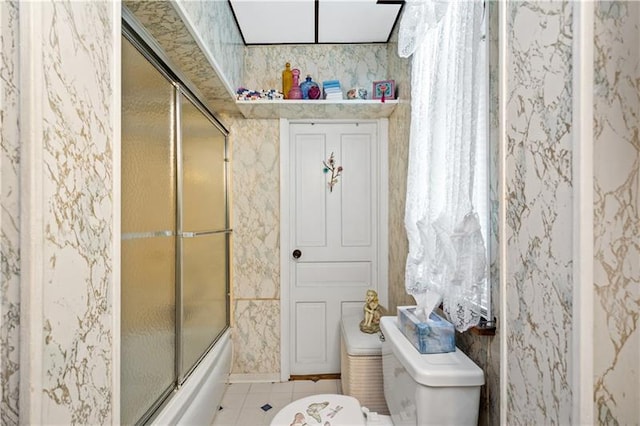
306 85
287 80
295 92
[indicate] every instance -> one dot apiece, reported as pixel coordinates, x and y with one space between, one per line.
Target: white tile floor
242 402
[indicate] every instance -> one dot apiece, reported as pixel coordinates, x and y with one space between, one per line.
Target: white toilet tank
432 389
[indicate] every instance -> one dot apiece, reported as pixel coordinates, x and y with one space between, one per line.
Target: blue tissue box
433 336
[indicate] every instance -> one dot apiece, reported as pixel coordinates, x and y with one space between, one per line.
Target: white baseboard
254 378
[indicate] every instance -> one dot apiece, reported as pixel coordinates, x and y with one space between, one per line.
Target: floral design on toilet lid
321 412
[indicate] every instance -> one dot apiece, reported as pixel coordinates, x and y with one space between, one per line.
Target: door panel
335 230
311 200
356 191
311 333
333 274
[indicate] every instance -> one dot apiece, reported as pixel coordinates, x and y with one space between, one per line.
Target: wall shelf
292 109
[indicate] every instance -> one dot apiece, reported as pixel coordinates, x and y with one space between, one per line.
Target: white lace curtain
447 256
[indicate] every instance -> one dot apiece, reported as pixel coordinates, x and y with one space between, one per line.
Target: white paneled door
333 236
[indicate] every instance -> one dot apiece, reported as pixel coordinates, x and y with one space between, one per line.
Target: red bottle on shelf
295 92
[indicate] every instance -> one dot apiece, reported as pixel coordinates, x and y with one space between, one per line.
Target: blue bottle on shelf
306 85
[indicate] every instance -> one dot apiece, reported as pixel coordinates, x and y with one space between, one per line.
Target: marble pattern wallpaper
221 40
256 337
78 186
354 65
538 236
10 214
255 180
617 212
256 212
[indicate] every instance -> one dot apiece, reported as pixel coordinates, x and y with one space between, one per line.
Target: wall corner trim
581 374
32 212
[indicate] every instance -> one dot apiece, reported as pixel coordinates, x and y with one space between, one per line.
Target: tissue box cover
435 335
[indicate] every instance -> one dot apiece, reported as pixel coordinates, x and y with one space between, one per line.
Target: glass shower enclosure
175 232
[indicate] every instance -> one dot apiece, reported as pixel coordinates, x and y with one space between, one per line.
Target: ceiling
315 21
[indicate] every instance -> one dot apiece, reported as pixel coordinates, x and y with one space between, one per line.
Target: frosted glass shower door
148 236
203 231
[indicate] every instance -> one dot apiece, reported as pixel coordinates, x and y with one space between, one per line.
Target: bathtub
198 399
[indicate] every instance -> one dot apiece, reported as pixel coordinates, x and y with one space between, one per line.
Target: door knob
296 254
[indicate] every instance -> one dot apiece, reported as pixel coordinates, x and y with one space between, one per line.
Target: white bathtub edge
197 401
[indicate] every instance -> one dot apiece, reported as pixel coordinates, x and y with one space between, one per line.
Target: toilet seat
328 410
321 409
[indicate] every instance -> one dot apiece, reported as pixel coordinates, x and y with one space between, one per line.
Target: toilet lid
322 410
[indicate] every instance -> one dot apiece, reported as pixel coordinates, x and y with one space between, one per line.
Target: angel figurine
372 313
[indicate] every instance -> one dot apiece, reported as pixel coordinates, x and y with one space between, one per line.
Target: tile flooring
242 402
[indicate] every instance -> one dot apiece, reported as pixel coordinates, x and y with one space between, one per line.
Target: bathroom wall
354 65
69 115
616 212
538 233
219 36
255 180
538 161
10 214
68 102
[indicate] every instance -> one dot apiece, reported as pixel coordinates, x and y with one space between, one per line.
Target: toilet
431 389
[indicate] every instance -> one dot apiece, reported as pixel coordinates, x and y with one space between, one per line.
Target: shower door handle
296 254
